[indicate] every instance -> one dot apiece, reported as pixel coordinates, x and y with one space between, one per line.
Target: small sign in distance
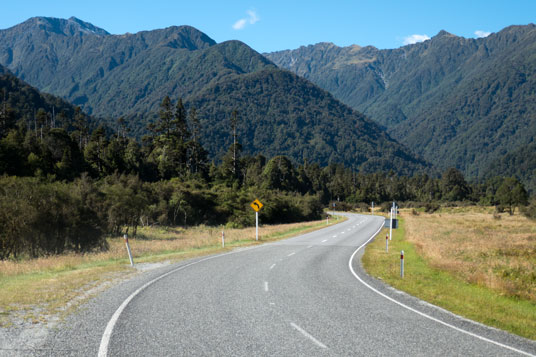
256 205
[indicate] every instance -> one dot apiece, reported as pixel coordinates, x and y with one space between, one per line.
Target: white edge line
105 341
422 313
291 254
306 334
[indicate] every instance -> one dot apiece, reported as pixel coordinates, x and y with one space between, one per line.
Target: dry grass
476 247
34 289
465 261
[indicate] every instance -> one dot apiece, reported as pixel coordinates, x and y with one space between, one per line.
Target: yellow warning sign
256 205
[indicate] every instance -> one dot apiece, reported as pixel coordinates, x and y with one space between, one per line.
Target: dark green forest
458 102
66 185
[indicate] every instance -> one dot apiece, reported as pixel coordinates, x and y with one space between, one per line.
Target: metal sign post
256 225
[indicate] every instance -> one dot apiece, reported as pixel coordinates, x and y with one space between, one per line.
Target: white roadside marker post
401 263
128 250
327 220
372 210
391 226
222 239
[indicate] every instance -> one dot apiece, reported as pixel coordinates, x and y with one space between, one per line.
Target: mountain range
128 75
458 102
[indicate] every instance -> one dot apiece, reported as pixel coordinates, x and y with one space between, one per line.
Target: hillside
456 101
128 75
18 100
291 116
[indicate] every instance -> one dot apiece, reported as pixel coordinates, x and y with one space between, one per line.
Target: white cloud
251 19
481 34
240 24
410 40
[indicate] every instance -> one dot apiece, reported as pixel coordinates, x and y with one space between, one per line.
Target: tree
197 155
234 122
453 185
180 125
511 193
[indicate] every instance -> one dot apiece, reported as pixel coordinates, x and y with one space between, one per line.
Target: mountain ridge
128 75
440 97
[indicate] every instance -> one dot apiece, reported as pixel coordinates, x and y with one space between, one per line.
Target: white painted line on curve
306 334
105 340
273 265
265 286
422 313
291 254
325 240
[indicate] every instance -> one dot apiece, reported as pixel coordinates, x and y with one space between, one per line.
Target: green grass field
445 288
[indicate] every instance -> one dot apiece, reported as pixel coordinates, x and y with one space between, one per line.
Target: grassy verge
452 284
37 289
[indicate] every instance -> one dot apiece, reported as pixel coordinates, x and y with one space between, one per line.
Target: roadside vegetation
66 186
472 261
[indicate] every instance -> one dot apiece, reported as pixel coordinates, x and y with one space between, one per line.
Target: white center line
291 254
273 265
325 240
265 286
306 334
335 236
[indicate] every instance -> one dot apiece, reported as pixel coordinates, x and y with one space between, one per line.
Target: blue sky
276 25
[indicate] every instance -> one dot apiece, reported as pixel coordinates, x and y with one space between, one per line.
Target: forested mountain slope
18 100
456 101
129 75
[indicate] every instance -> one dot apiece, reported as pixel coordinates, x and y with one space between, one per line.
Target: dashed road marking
308 335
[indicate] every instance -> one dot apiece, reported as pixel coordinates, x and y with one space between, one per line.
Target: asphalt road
298 297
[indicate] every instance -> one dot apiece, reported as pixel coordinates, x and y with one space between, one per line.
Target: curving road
299 297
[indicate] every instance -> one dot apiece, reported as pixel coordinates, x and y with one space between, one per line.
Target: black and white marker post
391 226
401 263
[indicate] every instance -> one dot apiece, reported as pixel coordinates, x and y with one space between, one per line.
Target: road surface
298 297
